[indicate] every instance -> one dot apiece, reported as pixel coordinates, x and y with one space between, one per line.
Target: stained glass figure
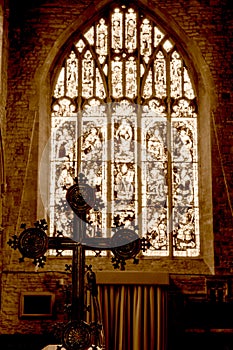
101 39
87 75
123 145
72 75
124 114
146 39
117 32
130 30
131 73
176 75
160 75
147 91
117 87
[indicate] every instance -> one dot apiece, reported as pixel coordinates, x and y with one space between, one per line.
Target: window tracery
124 114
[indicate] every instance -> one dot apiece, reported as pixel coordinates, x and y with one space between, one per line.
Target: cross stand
33 243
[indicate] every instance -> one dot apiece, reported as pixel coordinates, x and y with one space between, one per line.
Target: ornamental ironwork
124 244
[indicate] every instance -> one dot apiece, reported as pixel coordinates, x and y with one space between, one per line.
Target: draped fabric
133 316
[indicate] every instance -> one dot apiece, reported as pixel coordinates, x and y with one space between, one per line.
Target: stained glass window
124 114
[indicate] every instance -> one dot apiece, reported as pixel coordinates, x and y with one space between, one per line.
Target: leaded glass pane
156 223
160 75
185 188
158 36
130 30
184 141
183 184
124 171
117 86
89 35
147 91
186 240
117 30
124 139
176 75
168 45
183 109
124 187
154 182
63 107
131 73
188 89
62 171
87 75
100 90
101 39
60 85
105 69
154 108
93 137
63 215
142 70
146 39
124 114
80 45
72 75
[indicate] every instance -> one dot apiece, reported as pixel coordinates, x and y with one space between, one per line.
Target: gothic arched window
124 114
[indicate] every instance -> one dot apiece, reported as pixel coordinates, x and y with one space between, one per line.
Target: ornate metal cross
125 244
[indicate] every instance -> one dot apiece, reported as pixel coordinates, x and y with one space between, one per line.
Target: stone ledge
132 277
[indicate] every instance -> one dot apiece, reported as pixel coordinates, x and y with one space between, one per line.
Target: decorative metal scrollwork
127 245
80 196
33 243
77 335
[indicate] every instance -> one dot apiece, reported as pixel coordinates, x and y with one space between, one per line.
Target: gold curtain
134 316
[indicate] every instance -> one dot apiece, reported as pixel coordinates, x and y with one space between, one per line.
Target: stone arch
205 94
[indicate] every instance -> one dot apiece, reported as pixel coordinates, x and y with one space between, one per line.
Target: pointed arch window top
126 43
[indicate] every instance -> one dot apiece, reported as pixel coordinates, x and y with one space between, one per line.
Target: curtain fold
134 316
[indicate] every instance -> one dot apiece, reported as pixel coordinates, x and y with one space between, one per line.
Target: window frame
203 84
